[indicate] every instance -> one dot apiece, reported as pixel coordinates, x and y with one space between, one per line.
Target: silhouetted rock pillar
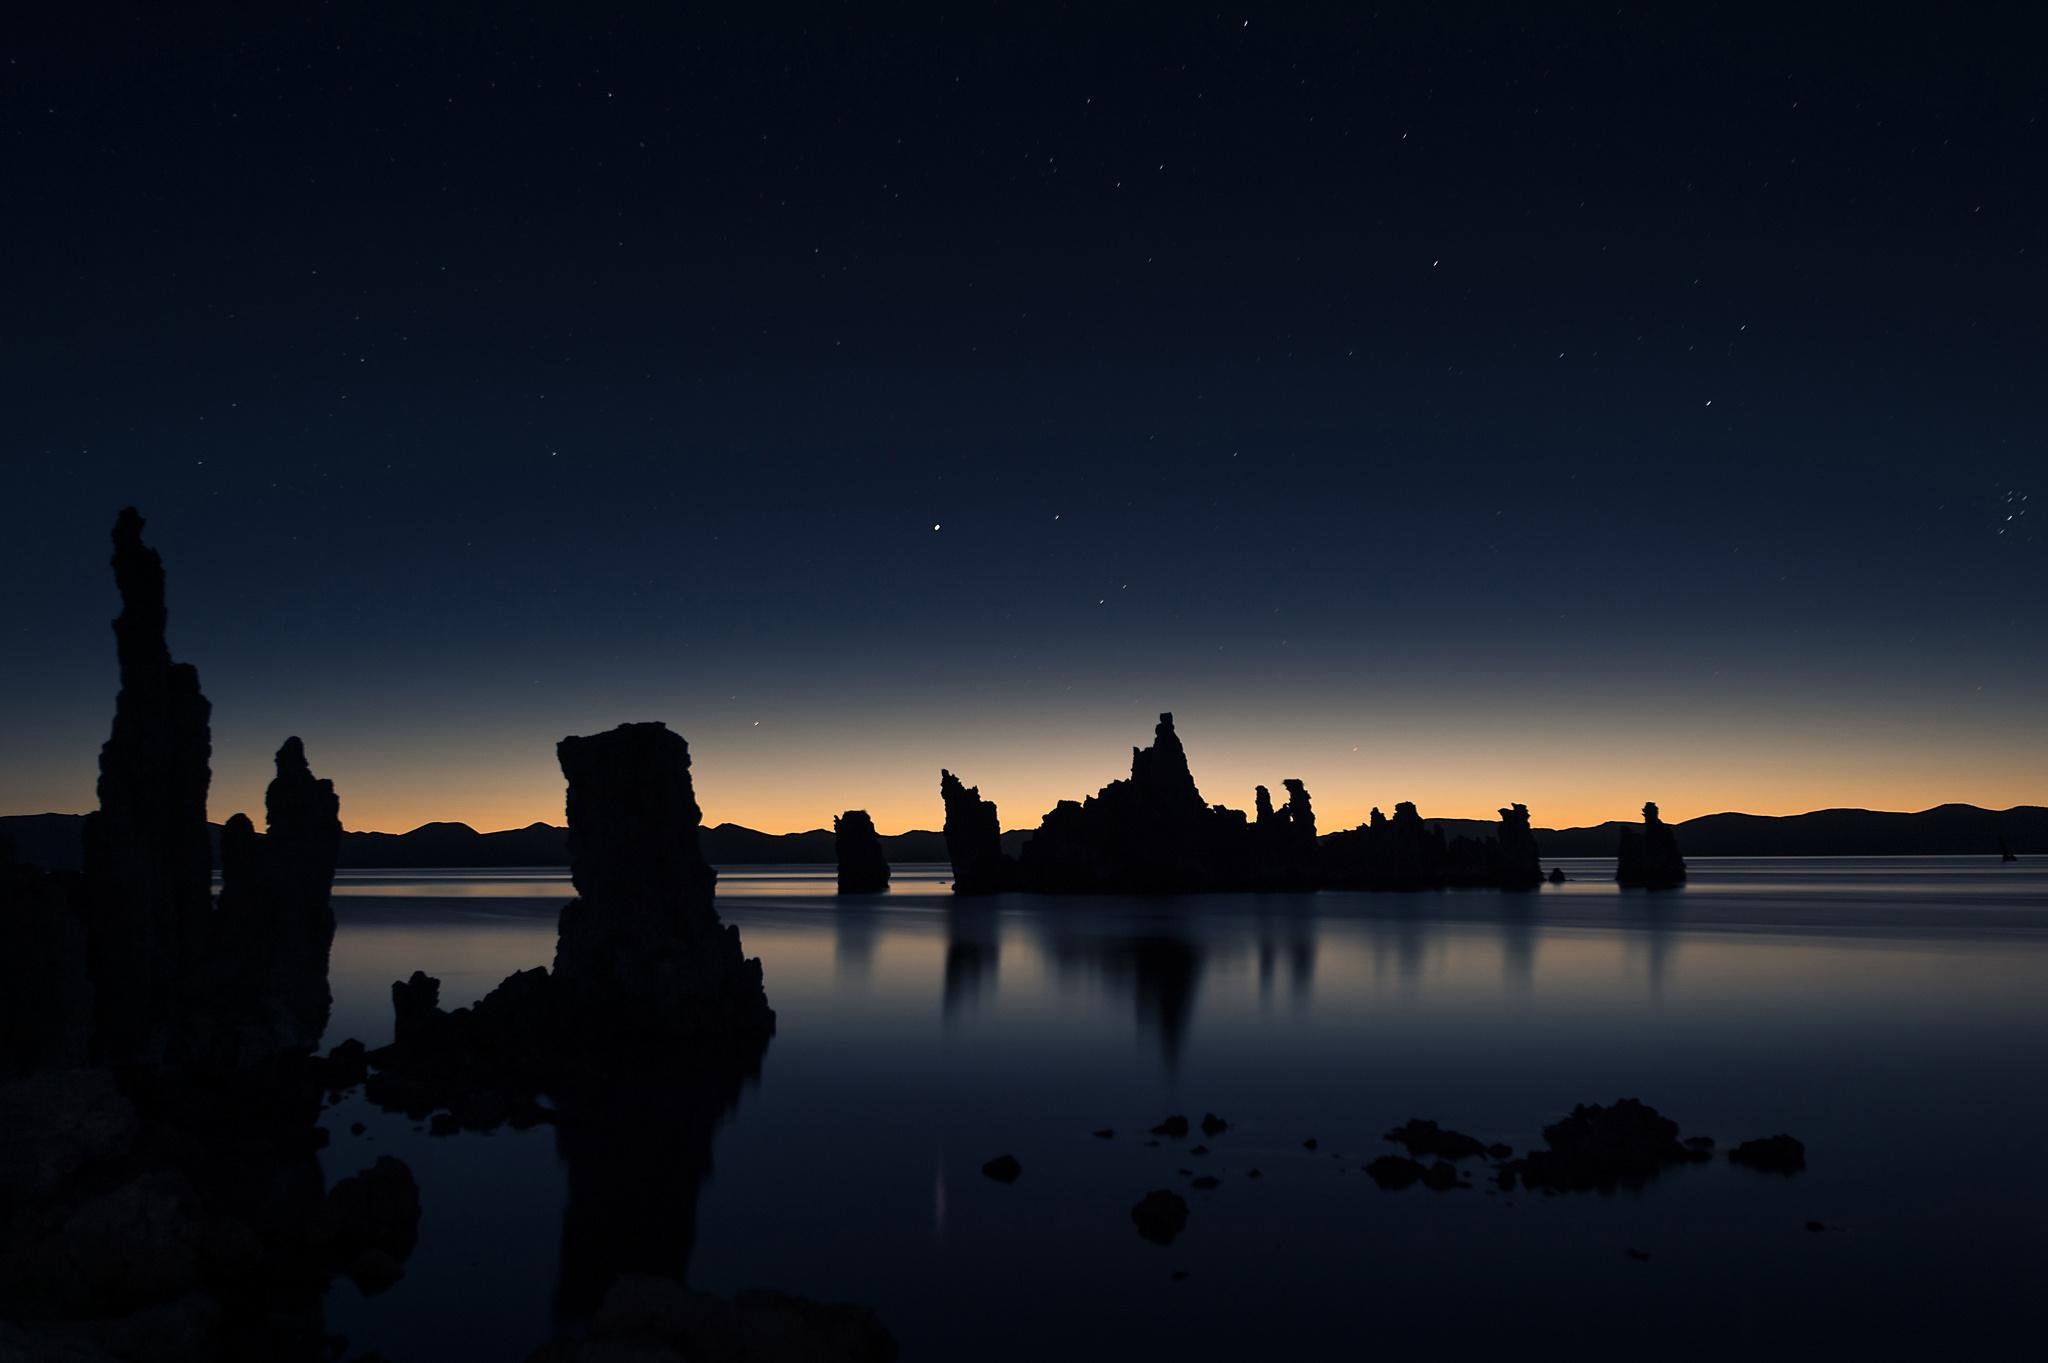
148 862
862 867
1648 857
1520 866
642 952
974 839
275 921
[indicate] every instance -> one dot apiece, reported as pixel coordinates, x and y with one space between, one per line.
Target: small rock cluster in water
1595 1147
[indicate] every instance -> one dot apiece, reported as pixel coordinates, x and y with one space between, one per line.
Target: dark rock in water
1309 1144
443 1124
356 1128
1779 1154
1557 875
1648 858
1395 1171
862 867
1175 1127
1003 1169
1500 1150
1198 1149
1107 1133
1206 1181
1160 1216
641 955
376 1209
659 1320
1816 1226
1599 1147
1213 1125
1427 1138
275 925
974 840
1641 1256
148 856
1440 1177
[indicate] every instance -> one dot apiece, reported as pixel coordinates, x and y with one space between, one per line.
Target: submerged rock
1003 1169
1779 1154
1175 1127
1394 1172
1600 1147
1160 1216
1427 1138
862 867
1648 857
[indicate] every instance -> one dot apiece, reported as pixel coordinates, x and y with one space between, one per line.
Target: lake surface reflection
1892 1013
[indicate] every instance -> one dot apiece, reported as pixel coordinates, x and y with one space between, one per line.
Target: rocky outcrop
46 994
1648 857
1151 833
641 953
275 922
974 840
862 867
148 862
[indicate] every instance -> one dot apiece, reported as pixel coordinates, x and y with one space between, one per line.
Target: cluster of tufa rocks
1152 833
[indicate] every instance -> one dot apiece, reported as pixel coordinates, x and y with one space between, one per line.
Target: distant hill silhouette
53 840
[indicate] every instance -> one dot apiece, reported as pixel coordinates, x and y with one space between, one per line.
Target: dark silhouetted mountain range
53 840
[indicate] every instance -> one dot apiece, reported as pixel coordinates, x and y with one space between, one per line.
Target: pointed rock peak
291 759
1262 803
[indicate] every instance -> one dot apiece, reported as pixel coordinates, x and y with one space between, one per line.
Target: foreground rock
862 867
1648 857
659 1320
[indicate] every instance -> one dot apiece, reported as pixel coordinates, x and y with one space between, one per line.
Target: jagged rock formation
275 922
1519 865
974 840
862 867
157 1128
1152 833
642 949
1648 858
148 863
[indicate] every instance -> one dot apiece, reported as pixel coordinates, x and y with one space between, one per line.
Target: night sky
1620 404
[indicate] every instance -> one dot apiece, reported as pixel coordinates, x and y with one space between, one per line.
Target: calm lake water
1891 1013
